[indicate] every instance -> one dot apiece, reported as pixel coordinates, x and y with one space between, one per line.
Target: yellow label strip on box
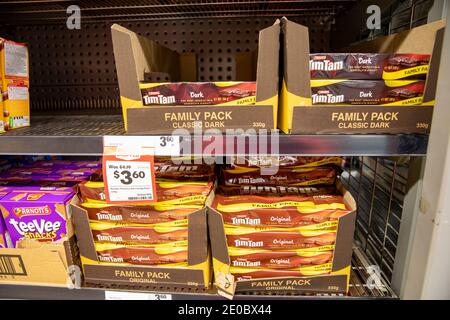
311 227
163 226
307 271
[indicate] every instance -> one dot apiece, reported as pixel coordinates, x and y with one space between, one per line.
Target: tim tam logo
30 211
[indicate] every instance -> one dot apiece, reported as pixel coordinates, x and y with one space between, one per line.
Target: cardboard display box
298 116
39 263
335 282
197 275
138 58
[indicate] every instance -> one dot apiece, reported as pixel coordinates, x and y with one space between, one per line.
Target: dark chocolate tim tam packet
283 176
367 92
257 273
198 93
142 255
368 66
278 259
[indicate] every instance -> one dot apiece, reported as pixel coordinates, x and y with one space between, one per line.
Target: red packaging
198 93
277 259
145 214
284 161
278 240
165 190
284 176
133 234
150 255
257 273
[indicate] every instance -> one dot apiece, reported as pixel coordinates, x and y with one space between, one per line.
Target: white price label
129 181
122 295
163 145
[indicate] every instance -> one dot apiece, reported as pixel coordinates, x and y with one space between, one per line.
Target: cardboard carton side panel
362 119
36 266
161 120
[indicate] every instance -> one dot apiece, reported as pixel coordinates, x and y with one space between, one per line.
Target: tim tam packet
283 176
36 214
257 273
278 238
284 161
279 259
143 214
368 66
198 93
367 92
142 255
165 190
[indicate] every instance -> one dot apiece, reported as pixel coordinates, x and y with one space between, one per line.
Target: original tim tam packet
198 93
278 238
368 66
279 259
36 213
143 255
257 273
283 176
284 161
165 190
272 190
137 234
367 92
166 169
138 214
321 211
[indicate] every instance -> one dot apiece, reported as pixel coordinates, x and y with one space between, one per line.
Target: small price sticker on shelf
128 173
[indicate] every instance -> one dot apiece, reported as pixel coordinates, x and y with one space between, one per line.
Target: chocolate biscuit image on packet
283 176
144 214
278 239
257 273
165 190
137 234
142 255
279 259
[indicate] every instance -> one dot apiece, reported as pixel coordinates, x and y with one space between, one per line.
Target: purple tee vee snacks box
36 213
3 192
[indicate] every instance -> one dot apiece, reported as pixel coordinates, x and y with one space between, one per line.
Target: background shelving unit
75 102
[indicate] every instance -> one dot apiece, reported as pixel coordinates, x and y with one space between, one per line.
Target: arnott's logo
29 211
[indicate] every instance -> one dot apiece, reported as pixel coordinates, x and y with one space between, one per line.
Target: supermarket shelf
358 290
52 10
83 135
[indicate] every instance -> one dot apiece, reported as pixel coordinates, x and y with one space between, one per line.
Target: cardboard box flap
197 237
136 55
83 231
268 62
217 236
296 51
433 73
